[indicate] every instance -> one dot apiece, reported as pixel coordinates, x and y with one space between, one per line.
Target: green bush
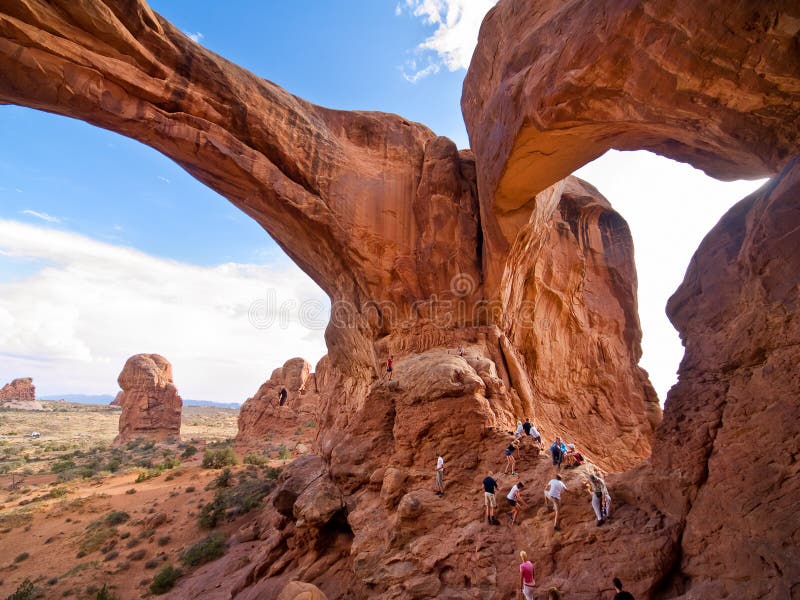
284 453
242 498
117 517
223 480
255 459
164 580
21 557
206 550
105 594
25 591
218 458
189 451
62 465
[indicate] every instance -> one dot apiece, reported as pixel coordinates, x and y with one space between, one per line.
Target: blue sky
107 248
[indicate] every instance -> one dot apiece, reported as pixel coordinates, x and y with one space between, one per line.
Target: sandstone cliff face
20 394
264 414
553 85
383 200
381 212
151 406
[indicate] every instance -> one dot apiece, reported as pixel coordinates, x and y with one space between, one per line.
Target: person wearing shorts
489 499
552 494
510 462
389 363
515 500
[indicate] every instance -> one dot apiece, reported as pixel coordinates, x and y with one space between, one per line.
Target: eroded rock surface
151 406
20 394
267 414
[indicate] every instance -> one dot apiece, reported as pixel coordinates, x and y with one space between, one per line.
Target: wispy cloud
41 215
457 24
195 37
93 304
164 179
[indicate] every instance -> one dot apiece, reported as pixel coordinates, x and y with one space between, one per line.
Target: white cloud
457 24
164 179
416 75
72 324
195 37
670 207
41 215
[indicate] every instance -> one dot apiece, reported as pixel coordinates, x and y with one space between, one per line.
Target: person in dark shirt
621 595
489 488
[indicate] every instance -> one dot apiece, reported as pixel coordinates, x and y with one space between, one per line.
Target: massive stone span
423 247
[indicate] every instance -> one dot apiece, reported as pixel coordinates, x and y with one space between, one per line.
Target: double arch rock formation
421 247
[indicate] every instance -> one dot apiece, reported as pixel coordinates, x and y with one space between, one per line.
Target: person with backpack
597 488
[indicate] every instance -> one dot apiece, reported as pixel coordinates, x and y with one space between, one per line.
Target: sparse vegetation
25 591
206 550
255 459
238 500
189 451
284 453
20 557
104 593
217 458
164 580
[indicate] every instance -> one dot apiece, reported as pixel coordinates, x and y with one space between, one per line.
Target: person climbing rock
282 396
440 476
515 500
490 487
527 580
519 429
552 494
510 461
532 432
558 449
460 350
389 363
597 488
621 594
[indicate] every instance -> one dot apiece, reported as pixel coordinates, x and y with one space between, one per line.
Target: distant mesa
151 406
20 394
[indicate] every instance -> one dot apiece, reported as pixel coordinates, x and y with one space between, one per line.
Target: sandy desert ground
80 519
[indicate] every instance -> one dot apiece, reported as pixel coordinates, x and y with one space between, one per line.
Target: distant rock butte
20 394
422 248
151 406
263 414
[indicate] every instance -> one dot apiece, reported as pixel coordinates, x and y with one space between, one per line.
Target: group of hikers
562 455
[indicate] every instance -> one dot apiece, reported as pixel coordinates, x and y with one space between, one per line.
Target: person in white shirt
515 500
552 494
440 476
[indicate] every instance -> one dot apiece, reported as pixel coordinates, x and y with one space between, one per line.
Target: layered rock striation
151 406
20 394
424 248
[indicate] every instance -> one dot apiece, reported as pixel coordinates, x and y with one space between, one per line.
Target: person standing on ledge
621 594
489 499
526 576
389 362
440 476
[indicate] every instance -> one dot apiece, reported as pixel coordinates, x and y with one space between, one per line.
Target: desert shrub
137 554
62 465
57 492
117 517
255 459
111 555
237 500
20 557
148 445
25 591
223 480
152 563
164 540
284 453
133 542
164 580
130 491
189 451
114 464
206 550
218 458
105 594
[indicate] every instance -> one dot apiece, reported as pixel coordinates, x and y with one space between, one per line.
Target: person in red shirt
389 362
526 576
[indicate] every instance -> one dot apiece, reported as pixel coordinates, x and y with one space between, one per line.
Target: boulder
20 394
